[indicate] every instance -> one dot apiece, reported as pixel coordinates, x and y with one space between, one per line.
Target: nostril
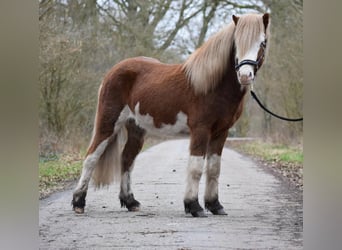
250 74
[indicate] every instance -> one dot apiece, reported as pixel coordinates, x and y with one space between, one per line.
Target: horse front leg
213 166
198 148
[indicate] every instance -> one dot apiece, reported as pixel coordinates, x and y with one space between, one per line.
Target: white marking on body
88 166
120 122
146 122
194 173
213 166
252 54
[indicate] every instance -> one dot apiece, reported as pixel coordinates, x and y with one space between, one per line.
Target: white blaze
252 54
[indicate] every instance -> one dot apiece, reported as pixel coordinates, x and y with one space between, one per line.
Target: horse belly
146 121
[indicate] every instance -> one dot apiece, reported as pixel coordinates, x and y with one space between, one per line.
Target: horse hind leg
89 164
135 141
106 138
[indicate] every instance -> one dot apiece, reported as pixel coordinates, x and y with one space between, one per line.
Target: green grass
55 170
271 152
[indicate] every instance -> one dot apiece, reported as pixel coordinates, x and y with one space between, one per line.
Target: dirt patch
60 186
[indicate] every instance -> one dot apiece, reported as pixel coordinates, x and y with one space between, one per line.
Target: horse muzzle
246 79
246 71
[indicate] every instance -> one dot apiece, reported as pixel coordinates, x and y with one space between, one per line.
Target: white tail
108 167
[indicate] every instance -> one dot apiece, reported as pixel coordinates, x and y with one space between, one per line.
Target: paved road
263 213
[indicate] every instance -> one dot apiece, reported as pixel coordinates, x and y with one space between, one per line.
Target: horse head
250 41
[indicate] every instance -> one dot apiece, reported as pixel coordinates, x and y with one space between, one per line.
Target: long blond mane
208 64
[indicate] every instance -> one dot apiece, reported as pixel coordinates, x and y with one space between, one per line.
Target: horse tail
108 167
109 133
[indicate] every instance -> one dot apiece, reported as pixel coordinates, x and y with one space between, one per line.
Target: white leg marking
125 186
213 165
88 166
194 173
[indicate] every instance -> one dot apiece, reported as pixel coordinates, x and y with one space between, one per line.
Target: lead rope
268 111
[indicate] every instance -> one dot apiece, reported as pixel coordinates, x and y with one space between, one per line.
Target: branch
47 10
245 6
116 22
160 13
181 22
206 20
297 6
122 4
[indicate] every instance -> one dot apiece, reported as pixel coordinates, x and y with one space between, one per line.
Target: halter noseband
256 64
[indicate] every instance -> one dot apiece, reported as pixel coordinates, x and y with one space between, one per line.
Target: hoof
134 209
78 202
130 203
201 214
219 212
79 210
194 208
215 207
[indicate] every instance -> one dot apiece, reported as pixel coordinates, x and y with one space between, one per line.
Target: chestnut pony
203 96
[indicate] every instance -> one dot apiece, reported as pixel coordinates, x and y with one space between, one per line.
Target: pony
204 97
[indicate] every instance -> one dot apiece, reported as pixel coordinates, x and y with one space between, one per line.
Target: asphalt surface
263 212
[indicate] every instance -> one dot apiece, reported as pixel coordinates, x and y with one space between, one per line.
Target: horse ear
265 19
235 19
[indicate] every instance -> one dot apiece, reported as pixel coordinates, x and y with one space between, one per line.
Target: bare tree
281 87
81 39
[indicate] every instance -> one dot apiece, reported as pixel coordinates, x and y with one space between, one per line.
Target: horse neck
230 87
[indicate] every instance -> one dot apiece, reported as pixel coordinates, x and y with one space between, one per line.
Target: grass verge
272 152
284 160
55 172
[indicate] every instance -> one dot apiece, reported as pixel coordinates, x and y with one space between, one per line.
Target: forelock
247 31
